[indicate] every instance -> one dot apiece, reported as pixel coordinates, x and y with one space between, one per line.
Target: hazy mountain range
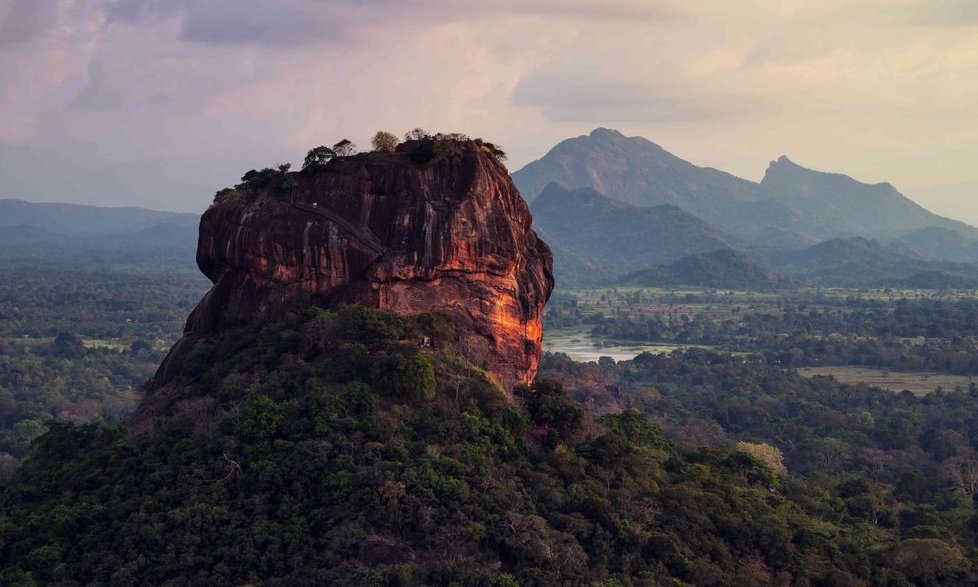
613 206
616 204
87 237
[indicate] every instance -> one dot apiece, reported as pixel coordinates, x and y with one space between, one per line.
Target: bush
273 180
550 406
410 377
260 419
368 326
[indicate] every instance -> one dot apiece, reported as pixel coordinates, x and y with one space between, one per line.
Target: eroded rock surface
380 229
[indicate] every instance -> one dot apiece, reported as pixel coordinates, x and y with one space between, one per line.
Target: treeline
927 335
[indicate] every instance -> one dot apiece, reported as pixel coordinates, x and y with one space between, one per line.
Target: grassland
917 382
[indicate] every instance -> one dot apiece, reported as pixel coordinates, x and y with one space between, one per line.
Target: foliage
416 134
904 334
317 157
311 461
268 180
769 455
492 149
384 141
344 148
404 376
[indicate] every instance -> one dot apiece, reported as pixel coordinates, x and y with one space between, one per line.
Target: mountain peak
606 133
783 163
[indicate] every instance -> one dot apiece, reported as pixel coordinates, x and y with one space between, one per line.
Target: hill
72 236
860 262
940 243
723 269
595 237
74 219
432 224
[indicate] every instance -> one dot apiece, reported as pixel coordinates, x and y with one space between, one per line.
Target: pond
580 346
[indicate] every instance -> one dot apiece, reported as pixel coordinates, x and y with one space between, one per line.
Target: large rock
383 230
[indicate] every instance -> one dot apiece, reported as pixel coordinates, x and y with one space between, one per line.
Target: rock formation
444 231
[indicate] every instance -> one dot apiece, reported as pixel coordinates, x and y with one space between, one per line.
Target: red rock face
380 230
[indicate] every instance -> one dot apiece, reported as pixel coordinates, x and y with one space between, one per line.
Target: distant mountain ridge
791 200
859 262
624 204
78 219
596 237
854 207
72 235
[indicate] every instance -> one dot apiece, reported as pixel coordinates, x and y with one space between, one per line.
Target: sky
159 103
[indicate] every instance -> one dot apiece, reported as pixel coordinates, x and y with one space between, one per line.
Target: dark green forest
336 453
77 345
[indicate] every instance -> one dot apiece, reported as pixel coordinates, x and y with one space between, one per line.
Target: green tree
384 141
416 134
260 419
318 156
345 148
407 377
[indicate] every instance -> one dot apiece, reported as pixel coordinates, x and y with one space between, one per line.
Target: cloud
157 87
26 20
584 97
232 22
946 13
308 22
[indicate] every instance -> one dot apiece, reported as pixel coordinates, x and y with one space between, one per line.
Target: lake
580 346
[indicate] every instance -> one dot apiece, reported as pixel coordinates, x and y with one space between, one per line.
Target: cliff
446 231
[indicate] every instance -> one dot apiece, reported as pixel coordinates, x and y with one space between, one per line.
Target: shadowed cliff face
377 229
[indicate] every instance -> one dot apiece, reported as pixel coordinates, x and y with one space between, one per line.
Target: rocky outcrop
384 230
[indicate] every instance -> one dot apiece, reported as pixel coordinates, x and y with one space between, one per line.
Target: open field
917 382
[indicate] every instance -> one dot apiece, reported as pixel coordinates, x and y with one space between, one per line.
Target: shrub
384 141
410 377
260 419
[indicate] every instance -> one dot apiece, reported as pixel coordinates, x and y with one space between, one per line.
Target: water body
580 346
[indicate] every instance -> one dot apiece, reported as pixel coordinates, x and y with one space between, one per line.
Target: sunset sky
159 103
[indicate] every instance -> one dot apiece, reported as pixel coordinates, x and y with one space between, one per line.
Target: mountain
436 225
74 219
73 236
853 207
633 170
723 269
595 237
797 205
939 243
636 171
859 262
